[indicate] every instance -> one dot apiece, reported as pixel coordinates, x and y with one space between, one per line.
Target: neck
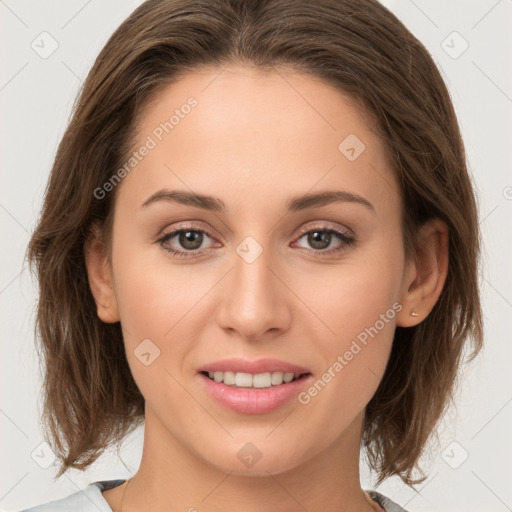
172 477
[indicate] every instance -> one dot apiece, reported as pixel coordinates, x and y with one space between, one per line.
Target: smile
250 380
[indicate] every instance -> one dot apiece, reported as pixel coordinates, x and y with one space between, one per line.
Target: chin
261 468
254 459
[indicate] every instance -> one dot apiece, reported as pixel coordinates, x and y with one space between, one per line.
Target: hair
90 399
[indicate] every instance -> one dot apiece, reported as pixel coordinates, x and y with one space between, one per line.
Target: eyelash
347 240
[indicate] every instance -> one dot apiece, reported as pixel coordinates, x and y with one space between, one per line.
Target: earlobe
424 277
100 278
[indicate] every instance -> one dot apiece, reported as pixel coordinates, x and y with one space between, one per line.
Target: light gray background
37 95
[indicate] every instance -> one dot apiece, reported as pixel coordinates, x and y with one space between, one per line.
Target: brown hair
90 397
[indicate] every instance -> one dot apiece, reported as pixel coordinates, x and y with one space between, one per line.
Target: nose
255 298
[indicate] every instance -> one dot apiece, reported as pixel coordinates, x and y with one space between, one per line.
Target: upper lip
264 365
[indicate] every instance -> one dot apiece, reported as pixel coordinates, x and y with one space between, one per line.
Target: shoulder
385 502
89 499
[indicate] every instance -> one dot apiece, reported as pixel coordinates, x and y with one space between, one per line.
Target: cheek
353 297
161 305
156 304
355 309
153 294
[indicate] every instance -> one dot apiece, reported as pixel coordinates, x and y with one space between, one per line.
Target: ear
425 275
100 276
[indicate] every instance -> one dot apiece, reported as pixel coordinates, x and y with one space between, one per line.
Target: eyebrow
294 204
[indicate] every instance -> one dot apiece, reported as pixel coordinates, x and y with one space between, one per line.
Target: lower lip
254 400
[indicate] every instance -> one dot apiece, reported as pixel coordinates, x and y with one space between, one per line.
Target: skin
254 140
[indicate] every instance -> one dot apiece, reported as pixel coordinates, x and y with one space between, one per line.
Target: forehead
252 133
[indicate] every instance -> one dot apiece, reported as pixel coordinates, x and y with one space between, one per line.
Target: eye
188 238
320 238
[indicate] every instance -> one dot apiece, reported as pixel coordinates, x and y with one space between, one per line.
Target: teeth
229 378
243 380
249 380
288 377
277 378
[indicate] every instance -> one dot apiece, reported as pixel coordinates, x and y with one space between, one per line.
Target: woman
260 239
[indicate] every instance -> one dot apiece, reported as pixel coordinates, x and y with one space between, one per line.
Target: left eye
189 239
321 238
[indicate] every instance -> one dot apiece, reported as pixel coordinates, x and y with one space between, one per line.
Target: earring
413 313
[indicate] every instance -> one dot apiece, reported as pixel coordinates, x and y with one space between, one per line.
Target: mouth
254 380
253 386
253 393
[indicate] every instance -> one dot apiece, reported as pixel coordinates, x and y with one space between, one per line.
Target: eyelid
191 225
325 227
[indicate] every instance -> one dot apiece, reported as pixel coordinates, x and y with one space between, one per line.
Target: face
256 279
